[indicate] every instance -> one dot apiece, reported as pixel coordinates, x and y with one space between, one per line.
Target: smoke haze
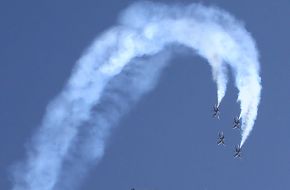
119 67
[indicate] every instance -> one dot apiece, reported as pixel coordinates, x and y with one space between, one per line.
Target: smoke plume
118 68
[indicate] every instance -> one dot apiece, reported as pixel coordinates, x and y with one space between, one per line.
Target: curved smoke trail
93 98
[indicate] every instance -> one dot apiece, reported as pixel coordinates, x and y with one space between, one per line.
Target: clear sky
168 140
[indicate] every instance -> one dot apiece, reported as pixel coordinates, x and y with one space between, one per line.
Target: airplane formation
221 137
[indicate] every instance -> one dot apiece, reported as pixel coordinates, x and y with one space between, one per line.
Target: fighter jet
238 150
216 111
237 123
221 139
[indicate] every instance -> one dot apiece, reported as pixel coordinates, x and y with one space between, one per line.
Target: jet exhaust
78 121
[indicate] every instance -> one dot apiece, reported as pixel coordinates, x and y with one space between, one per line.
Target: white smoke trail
144 30
140 76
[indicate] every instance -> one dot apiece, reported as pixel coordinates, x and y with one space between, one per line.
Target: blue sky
168 140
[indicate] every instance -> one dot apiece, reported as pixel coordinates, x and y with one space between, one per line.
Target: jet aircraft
238 150
216 111
221 139
237 123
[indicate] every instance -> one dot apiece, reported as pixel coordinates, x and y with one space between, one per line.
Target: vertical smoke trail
145 29
219 72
